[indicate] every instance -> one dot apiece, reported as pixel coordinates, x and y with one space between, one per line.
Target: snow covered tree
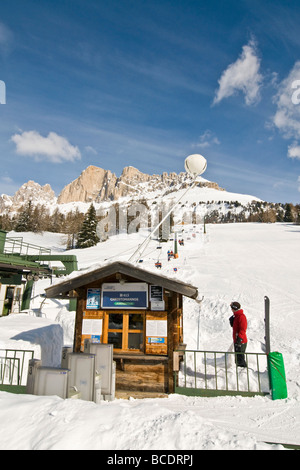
88 234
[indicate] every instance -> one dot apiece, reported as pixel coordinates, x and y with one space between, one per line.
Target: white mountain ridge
102 187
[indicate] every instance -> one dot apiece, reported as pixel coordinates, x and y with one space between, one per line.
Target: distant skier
238 321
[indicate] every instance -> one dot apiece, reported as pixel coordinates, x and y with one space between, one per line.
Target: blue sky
147 83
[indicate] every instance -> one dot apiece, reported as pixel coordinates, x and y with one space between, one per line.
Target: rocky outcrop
96 185
88 186
34 192
30 191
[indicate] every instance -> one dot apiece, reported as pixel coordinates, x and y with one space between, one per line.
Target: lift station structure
21 264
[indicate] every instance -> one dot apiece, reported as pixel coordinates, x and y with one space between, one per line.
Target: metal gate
13 369
215 373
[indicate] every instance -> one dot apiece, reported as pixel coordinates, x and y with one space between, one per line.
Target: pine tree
24 222
297 221
288 216
88 233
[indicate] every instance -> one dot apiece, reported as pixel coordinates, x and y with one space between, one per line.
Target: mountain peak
96 184
33 191
87 186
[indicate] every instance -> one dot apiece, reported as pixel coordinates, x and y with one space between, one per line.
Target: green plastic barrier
277 376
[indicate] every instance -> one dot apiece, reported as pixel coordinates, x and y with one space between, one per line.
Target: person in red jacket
238 321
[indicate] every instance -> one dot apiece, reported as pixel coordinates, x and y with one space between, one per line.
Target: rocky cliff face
96 185
88 186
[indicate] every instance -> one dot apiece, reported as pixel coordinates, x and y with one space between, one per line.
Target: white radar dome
195 164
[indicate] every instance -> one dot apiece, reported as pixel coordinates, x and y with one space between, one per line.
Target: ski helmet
235 306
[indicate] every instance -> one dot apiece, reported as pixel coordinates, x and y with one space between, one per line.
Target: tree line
258 211
81 228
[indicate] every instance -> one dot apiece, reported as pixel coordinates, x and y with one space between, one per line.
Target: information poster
92 328
93 299
156 294
157 298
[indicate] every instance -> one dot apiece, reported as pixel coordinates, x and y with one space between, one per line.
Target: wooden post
173 336
81 303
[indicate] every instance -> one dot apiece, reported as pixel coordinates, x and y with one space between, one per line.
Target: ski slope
242 262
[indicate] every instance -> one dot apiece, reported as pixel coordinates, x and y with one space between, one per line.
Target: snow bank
40 335
174 423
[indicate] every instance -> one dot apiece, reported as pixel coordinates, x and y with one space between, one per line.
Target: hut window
126 331
135 341
136 321
115 330
136 331
115 338
115 321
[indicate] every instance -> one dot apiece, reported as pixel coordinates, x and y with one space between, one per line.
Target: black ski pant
240 350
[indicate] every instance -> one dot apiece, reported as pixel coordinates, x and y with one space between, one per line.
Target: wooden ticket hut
139 311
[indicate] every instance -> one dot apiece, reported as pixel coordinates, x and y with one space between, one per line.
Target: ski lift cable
118 254
140 250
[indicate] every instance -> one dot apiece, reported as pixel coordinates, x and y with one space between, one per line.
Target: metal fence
14 369
213 373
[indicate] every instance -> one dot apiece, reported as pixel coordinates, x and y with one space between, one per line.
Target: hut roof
79 279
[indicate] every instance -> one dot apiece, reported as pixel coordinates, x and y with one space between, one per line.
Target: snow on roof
98 271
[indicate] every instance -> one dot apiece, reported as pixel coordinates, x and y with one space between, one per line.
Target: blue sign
156 340
124 296
95 338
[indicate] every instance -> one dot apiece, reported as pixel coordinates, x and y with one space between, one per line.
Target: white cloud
53 148
207 139
287 116
8 186
91 149
243 75
6 179
294 151
6 38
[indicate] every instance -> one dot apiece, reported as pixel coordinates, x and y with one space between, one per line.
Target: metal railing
213 373
14 367
17 246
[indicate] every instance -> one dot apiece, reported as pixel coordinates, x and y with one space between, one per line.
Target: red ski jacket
239 326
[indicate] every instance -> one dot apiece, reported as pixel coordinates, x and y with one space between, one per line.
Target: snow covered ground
242 262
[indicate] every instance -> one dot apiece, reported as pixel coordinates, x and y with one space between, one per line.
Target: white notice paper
92 327
156 328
